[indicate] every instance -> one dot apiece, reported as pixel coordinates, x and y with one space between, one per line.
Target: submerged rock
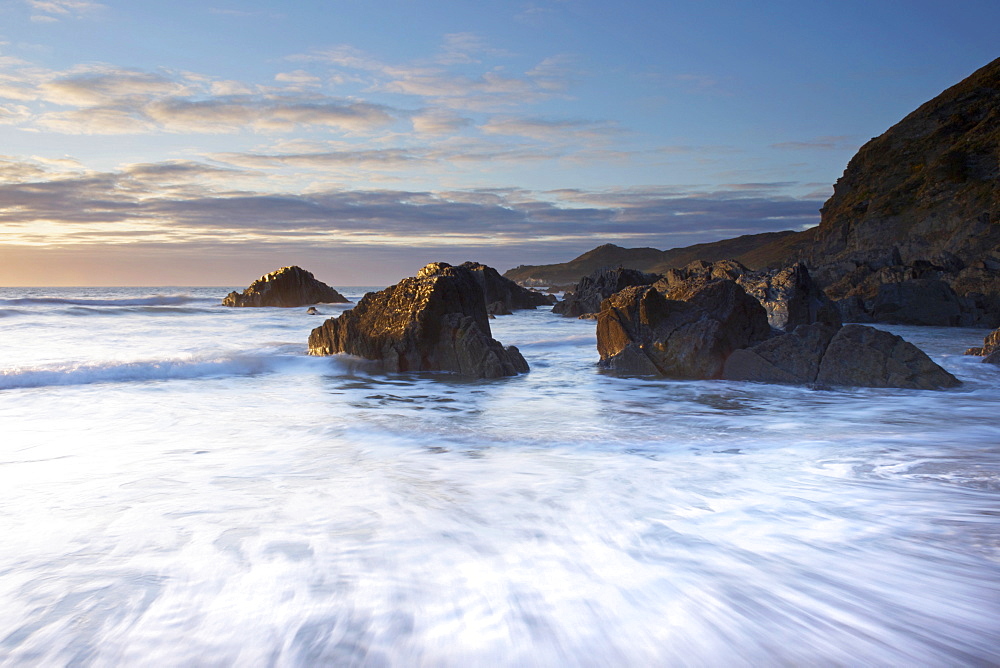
853 355
436 321
287 287
639 331
587 295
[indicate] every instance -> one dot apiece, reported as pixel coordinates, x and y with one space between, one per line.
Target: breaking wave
154 300
154 370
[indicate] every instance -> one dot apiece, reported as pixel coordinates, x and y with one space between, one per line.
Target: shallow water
181 485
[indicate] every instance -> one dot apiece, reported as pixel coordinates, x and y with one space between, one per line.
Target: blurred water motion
201 493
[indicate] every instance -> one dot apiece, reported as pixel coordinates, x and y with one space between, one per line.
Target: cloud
441 81
94 121
170 203
13 114
109 86
439 122
102 99
551 130
300 77
52 10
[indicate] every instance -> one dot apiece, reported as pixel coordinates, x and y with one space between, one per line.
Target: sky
209 142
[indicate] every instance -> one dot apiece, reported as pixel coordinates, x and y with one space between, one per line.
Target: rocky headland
435 321
287 287
911 234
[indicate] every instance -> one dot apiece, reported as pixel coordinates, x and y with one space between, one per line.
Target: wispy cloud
53 10
439 79
103 99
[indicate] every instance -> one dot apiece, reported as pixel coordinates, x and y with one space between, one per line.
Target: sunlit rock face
990 349
853 355
639 331
435 321
287 287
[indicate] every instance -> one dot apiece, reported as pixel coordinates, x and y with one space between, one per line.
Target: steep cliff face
928 187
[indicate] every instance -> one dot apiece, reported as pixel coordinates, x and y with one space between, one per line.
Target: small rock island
288 287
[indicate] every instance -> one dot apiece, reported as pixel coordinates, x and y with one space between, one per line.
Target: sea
182 485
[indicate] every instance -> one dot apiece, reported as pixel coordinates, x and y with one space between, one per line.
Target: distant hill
643 259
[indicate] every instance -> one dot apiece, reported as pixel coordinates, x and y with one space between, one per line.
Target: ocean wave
153 370
154 300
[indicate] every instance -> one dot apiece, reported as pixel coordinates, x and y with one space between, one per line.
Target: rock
853 355
918 301
991 344
287 287
588 294
792 358
683 283
511 296
852 309
312 311
497 308
639 331
788 295
436 321
993 358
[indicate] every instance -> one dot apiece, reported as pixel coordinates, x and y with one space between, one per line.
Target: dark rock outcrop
287 287
639 331
436 321
993 358
852 355
918 301
503 295
991 344
588 294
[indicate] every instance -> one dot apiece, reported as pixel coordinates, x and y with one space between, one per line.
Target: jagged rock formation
436 321
503 295
789 295
587 295
991 345
639 331
852 355
287 287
